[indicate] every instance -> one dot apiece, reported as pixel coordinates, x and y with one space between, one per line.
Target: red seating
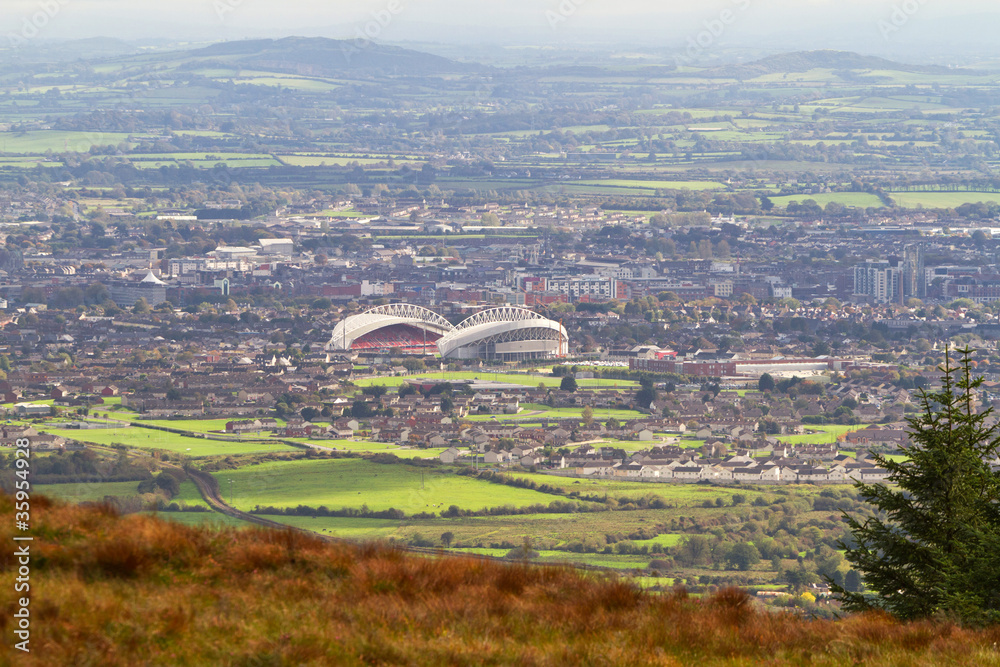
409 339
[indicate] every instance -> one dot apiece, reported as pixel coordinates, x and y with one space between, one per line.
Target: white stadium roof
507 332
356 326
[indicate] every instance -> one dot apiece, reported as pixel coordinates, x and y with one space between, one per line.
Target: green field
509 378
382 529
572 413
363 446
553 557
552 534
340 161
476 534
357 446
665 540
367 446
193 425
857 199
344 214
681 495
79 492
544 412
57 141
293 83
942 199
826 434
654 185
353 483
149 439
203 519
189 495
347 528
203 157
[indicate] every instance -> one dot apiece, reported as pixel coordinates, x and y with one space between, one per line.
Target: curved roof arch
502 324
502 314
354 327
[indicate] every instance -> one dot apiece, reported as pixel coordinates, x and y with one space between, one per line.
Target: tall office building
879 280
914 276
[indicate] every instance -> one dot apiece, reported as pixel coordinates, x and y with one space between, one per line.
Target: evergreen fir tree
933 547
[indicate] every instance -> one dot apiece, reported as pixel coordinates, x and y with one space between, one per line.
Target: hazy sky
880 24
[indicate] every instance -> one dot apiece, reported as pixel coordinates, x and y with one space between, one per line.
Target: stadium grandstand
412 329
505 334
497 334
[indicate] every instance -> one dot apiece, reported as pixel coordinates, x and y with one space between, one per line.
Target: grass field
352 483
193 425
665 540
942 199
189 495
349 445
681 495
367 446
339 161
575 413
553 557
57 141
293 83
858 199
483 535
347 528
202 519
555 533
509 378
149 439
88 491
654 185
544 412
827 433
200 157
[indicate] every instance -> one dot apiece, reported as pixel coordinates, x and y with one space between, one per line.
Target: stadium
505 334
413 329
498 334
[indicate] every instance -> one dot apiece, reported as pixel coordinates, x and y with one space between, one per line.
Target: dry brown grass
114 591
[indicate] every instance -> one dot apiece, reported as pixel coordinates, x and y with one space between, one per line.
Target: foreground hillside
137 590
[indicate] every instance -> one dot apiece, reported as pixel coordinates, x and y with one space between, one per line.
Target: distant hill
324 57
803 61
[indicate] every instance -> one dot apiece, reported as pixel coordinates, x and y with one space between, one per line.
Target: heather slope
137 590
